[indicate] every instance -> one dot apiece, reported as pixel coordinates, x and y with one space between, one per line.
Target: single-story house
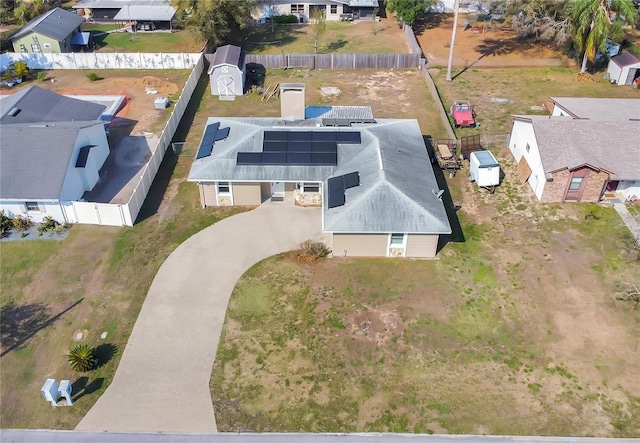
372 178
54 31
602 109
624 69
148 17
227 71
52 148
334 10
106 10
575 159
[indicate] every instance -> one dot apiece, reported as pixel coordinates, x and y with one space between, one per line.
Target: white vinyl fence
125 214
99 60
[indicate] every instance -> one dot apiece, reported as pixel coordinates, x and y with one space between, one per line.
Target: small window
528 148
397 239
32 206
224 188
297 9
311 187
35 47
575 184
47 46
334 9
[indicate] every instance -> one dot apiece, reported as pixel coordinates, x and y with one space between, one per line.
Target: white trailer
484 169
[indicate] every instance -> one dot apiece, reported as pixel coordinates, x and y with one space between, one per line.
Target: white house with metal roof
333 10
373 178
52 148
588 147
57 30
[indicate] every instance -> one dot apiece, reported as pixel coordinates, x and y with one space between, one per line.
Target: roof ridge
404 196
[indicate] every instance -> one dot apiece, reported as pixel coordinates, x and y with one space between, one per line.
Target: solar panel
324 158
336 199
323 136
351 180
299 146
335 184
299 136
274 146
221 134
348 137
249 158
299 158
274 158
205 150
212 128
324 147
275 135
209 139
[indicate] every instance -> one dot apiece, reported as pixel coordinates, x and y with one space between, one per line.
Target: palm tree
594 21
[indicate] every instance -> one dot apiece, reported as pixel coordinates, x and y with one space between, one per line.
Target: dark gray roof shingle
227 54
39 105
56 24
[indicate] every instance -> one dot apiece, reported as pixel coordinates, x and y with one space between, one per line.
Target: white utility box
50 391
484 169
161 103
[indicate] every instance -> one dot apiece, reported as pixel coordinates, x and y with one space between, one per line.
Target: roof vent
14 111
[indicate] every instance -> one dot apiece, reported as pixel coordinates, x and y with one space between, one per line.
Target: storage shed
484 169
624 68
227 71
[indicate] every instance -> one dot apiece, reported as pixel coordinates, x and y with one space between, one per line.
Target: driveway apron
162 381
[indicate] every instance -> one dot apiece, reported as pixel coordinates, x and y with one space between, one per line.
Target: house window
47 46
334 9
297 9
575 183
224 188
32 206
35 47
311 187
528 148
397 239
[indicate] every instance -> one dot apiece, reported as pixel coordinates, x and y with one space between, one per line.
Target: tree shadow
502 47
104 353
260 37
456 236
21 322
335 45
431 21
80 388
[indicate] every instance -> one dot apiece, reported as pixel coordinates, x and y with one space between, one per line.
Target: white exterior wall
285 9
80 180
629 189
521 134
47 208
614 71
559 112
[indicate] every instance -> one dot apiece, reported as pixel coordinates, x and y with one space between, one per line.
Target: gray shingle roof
625 59
35 159
612 146
227 54
39 105
146 12
396 176
110 4
609 109
56 24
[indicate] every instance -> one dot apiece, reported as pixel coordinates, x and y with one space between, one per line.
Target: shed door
226 85
630 76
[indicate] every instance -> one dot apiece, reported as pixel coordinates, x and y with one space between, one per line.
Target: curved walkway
162 381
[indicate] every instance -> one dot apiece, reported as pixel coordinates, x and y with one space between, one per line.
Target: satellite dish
438 193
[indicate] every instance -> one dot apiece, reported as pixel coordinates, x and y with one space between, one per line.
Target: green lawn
340 37
179 41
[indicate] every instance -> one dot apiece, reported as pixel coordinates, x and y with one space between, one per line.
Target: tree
214 20
593 21
20 69
408 11
319 27
541 19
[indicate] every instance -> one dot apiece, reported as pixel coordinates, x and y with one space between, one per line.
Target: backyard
108 38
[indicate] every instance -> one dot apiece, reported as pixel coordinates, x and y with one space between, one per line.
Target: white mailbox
65 391
50 391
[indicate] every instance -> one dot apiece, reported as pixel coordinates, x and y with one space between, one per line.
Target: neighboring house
148 17
227 71
624 69
333 10
54 31
585 149
52 148
373 178
106 10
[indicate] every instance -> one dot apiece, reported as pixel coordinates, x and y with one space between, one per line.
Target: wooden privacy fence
336 61
411 40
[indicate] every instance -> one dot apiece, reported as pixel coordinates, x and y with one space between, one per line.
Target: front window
575 183
311 187
297 9
224 188
397 239
32 206
334 9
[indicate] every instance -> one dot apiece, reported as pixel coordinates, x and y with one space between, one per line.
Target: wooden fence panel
336 61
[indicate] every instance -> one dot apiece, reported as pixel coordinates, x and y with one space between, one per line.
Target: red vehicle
463 115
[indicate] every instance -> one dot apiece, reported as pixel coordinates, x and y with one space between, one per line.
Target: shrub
50 225
285 19
82 357
21 70
93 77
6 224
312 250
21 223
42 76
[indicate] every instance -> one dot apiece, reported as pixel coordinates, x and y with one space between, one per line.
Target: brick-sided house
54 31
372 178
333 10
52 148
570 159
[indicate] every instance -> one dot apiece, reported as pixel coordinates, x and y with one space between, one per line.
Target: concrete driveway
162 381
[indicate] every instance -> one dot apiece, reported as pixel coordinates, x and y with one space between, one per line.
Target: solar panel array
301 148
337 185
212 134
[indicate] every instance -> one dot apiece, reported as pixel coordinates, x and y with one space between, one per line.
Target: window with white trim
47 45
575 184
397 239
297 8
35 47
32 207
310 187
224 188
334 9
